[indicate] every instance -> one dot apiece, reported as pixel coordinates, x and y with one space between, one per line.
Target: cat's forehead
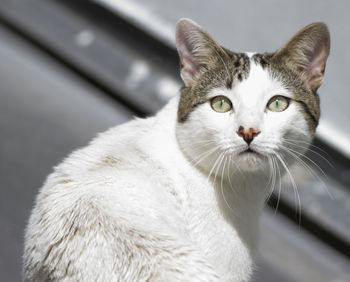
259 85
238 72
256 87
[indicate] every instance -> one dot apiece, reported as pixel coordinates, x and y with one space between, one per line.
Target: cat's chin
251 161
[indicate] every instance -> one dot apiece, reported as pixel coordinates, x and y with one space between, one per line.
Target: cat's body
156 195
151 200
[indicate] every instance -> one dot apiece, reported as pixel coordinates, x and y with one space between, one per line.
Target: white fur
132 206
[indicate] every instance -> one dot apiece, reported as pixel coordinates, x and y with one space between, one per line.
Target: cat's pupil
277 103
221 103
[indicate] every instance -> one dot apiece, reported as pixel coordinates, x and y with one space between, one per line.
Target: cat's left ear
197 50
307 53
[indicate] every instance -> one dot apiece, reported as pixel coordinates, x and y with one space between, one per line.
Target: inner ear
197 50
307 53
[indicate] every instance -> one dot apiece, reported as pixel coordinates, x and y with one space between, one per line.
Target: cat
177 196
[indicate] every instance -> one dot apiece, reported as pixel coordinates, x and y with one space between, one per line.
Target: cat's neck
242 199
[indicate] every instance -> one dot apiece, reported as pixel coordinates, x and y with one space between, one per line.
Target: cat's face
246 111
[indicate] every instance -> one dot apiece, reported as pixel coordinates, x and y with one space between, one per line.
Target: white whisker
310 160
307 144
279 185
213 167
271 179
295 188
229 176
222 187
203 156
308 168
313 151
222 156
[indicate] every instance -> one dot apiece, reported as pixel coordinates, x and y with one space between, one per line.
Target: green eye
278 104
221 104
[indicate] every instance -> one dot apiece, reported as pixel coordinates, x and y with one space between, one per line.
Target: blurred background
71 69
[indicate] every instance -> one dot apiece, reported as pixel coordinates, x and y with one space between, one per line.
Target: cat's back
118 168
101 203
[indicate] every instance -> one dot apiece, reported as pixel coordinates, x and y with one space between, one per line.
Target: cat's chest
215 234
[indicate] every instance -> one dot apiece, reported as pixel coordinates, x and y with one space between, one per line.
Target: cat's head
248 108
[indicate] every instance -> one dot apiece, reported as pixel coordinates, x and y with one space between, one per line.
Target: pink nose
248 135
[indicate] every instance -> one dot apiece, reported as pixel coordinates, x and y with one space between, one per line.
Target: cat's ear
197 50
307 53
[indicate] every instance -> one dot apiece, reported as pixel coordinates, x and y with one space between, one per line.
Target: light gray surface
264 26
296 254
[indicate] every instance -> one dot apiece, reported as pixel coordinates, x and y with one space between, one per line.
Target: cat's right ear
307 53
197 50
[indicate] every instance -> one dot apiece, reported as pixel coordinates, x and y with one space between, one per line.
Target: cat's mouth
249 151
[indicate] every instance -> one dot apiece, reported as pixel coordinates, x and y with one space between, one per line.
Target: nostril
240 131
254 132
249 135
